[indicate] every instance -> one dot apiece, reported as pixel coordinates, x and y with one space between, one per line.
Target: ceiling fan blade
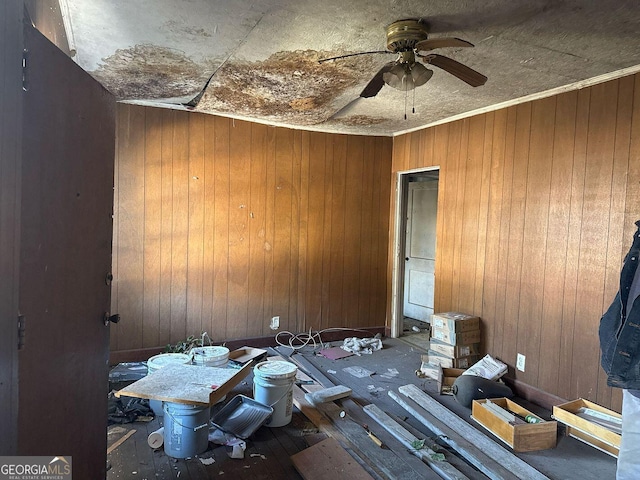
377 82
322 60
464 73
433 43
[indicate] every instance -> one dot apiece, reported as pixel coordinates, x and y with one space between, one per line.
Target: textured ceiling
258 60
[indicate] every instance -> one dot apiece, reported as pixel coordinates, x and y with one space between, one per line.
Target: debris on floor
358 346
335 353
359 372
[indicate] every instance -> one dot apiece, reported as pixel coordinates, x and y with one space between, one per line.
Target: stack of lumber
388 447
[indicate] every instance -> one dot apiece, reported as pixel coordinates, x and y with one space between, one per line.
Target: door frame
399 245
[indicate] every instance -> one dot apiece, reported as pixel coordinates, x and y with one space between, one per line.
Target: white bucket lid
275 369
211 353
164 359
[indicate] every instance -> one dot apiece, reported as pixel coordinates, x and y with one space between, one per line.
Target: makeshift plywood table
187 384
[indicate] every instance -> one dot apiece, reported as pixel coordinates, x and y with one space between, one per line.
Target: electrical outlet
275 323
520 362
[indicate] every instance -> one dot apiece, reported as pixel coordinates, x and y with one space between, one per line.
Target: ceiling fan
409 40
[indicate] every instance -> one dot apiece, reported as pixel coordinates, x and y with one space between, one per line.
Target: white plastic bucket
155 363
186 429
213 356
273 386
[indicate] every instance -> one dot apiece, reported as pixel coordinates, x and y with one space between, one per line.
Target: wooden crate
582 429
446 377
525 437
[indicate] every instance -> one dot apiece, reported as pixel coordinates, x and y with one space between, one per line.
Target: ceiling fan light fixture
405 77
420 74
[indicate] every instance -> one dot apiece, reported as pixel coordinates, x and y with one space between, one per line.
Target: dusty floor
268 450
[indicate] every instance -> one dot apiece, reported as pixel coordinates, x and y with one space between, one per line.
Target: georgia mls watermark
35 468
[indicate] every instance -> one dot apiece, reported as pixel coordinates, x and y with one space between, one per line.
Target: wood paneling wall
11 44
537 205
221 224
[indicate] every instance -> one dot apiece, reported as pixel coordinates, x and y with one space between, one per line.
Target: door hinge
21 328
25 77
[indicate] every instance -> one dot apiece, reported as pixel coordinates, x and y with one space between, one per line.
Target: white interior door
420 249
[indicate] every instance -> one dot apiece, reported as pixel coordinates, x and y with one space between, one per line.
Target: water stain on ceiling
259 60
150 72
288 86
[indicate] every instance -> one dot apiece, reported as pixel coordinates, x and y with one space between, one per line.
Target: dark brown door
65 256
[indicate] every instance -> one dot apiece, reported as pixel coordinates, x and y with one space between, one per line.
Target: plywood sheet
327 460
187 384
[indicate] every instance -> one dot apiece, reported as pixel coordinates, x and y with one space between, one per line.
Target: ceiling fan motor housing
403 35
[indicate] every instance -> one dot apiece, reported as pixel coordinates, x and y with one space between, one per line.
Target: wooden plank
615 240
187 384
440 159
442 468
367 260
166 227
497 462
456 440
238 265
458 216
120 441
494 218
130 230
316 250
334 236
449 184
195 215
593 238
326 460
536 216
221 228
469 214
152 228
567 343
294 321
354 211
283 228
380 210
328 394
258 245
389 462
556 242
483 216
270 224
395 463
507 160
304 233
179 227
209 323
516 231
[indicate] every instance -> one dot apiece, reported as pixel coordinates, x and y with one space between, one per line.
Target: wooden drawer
585 430
522 437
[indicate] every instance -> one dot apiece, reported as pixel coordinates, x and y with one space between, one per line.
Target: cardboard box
446 377
454 351
588 431
245 354
455 322
519 435
452 338
488 367
428 370
447 362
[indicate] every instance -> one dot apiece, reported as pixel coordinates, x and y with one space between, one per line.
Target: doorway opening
413 289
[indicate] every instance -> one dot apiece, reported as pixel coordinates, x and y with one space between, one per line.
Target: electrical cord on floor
304 339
